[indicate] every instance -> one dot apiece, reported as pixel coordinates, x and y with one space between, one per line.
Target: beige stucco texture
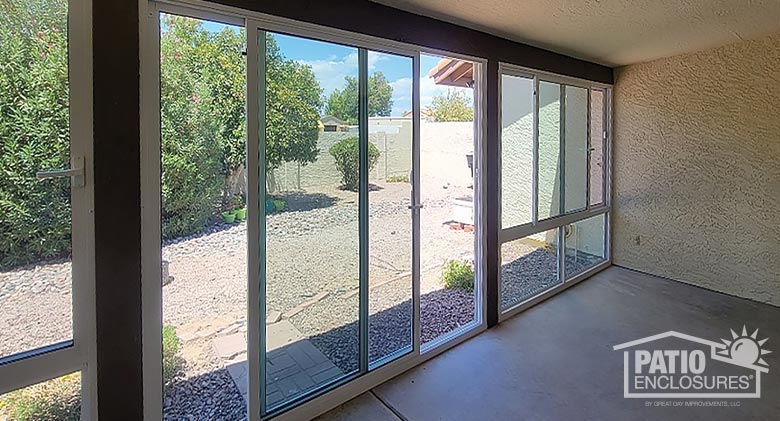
697 168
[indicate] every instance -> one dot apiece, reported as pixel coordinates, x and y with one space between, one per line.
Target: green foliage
452 106
196 139
458 274
203 119
203 133
60 399
53 400
398 179
346 152
293 101
34 131
171 362
343 104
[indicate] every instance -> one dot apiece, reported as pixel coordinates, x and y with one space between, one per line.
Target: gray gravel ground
204 391
535 272
315 244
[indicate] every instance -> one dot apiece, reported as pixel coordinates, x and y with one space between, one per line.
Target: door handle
75 172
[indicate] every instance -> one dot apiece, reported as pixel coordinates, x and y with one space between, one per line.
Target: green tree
204 132
34 130
293 101
452 106
343 104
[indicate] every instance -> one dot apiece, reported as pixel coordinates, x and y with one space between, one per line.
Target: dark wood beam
117 209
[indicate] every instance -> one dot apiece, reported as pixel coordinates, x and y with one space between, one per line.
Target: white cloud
402 90
330 73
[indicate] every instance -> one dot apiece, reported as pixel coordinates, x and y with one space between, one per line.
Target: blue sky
332 62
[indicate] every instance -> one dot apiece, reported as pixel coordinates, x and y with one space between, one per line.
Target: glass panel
517 150
312 242
596 147
576 149
204 248
35 215
585 245
447 194
390 220
56 399
549 204
529 266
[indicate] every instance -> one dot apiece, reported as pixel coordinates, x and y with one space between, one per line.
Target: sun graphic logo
745 350
678 365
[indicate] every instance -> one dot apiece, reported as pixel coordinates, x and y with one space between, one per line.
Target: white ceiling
610 32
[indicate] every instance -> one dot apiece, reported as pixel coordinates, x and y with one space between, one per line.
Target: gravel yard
312 280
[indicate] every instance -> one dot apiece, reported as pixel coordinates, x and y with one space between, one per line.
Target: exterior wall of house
697 168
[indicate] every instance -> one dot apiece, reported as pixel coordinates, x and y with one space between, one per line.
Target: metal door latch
75 172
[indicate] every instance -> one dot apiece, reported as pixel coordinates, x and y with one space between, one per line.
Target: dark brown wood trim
117 209
492 203
365 17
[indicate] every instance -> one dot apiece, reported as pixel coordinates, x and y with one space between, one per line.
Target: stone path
294 365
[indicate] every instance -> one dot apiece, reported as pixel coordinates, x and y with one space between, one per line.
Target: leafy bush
54 400
398 179
60 399
171 362
34 131
458 274
346 152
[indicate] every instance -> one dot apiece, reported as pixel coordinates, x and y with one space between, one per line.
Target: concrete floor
556 362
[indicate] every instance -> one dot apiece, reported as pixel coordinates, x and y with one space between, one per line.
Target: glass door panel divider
256 227
363 207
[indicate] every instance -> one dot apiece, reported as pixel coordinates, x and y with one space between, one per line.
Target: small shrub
171 362
398 179
53 400
346 152
60 399
458 274
237 202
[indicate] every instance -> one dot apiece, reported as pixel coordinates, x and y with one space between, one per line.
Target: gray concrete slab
556 362
365 407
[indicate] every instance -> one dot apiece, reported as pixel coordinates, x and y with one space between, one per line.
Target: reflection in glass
596 147
312 233
35 215
549 203
529 266
585 245
517 150
447 223
390 219
576 149
204 236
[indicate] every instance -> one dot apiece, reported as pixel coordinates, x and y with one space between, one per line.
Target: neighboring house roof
329 120
425 114
453 72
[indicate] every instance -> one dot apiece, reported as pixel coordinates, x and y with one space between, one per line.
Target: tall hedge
34 215
202 87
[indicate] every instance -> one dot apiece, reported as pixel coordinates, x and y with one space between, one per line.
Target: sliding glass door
336 206
282 205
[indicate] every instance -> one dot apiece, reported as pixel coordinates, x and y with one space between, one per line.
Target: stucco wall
697 168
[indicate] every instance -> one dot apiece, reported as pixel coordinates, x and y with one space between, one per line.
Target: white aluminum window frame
52 361
507 234
341 391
